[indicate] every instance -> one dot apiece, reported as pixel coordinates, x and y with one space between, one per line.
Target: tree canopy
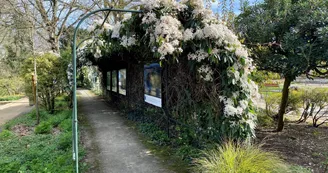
288 37
285 40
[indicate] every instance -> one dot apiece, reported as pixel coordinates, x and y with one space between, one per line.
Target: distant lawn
11 98
269 90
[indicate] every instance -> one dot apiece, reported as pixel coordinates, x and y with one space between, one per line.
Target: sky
236 5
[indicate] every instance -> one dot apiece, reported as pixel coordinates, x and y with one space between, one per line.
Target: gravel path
119 148
11 110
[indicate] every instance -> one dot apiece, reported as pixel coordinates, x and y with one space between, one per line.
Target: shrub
50 81
42 113
66 125
43 128
315 101
239 158
55 120
273 100
263 120
5 134
272 103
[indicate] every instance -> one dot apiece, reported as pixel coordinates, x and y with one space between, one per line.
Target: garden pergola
74 114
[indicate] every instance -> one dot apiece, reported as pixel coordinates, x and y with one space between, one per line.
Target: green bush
263 120
272 103
260 76
43 128
273 100
55 120
239 158
53 69
66 125
5 134
42 113
314 101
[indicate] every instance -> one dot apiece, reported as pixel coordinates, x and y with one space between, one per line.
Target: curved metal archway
74 113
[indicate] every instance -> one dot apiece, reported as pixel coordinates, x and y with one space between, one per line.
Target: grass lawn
47 147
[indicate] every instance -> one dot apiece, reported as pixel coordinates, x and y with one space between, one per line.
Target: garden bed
299 145
47 147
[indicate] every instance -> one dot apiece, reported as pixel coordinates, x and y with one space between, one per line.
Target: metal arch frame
74 113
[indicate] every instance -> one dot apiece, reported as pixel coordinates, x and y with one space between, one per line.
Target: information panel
122 81
153 84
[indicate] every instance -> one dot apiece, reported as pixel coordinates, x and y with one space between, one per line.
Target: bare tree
52 17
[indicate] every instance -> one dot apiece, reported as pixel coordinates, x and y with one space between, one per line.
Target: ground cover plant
26 147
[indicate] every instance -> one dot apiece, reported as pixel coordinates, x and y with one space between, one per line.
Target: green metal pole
75 127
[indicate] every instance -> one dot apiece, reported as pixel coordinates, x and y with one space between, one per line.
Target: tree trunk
52 111
54 45
53 39
283 104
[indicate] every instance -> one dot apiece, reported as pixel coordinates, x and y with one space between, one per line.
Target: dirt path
14 109
117 147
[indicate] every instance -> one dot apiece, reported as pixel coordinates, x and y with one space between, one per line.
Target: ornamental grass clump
239 158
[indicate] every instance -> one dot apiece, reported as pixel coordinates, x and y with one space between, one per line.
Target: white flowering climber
171 29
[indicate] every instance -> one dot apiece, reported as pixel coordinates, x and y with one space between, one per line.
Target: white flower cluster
96 49
96 52
165 49
231 109
107 26
149 5
69 73
198 56
188 34
149 18
168 34
172 4
116 30
206 73
99 26
248 87
128 41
